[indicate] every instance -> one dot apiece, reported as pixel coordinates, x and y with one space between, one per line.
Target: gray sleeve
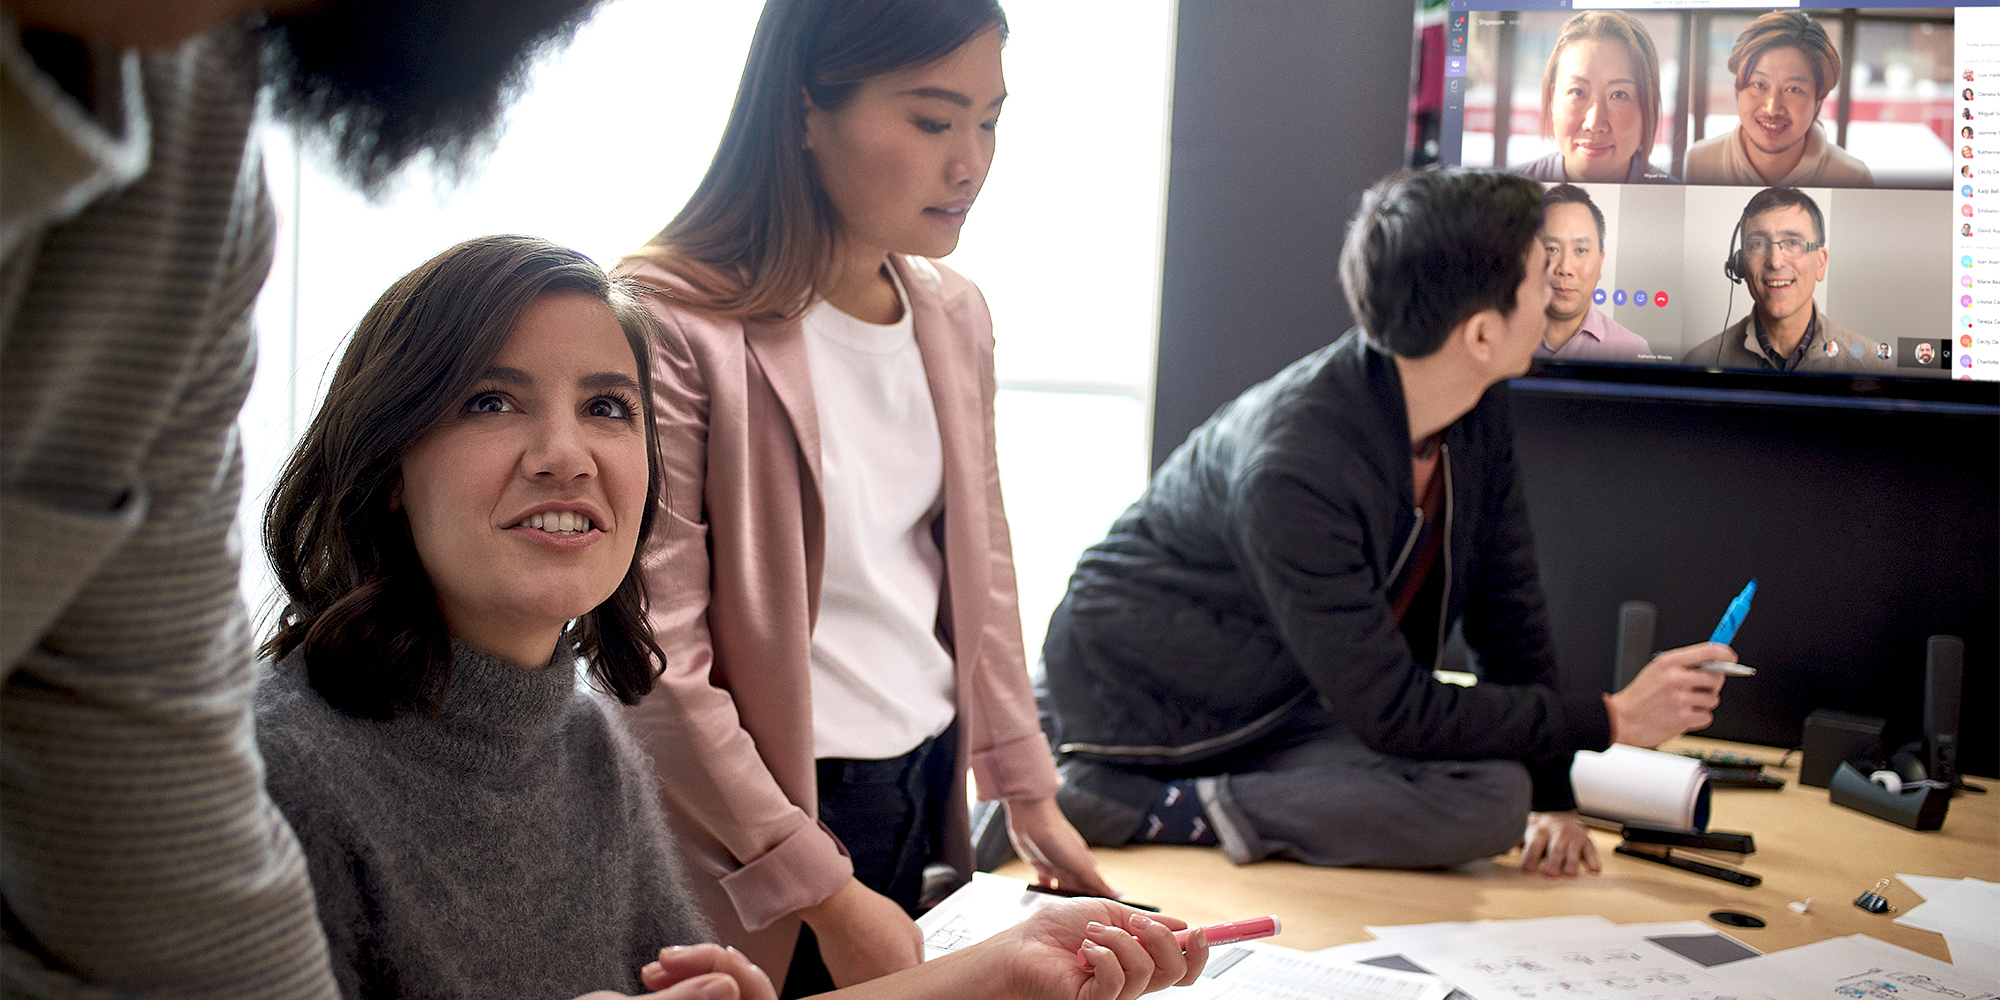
141 855
292 740
667 914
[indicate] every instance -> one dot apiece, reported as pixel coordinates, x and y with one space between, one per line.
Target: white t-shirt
882 683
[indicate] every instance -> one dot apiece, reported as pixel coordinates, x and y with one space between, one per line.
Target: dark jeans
889 814
1311 791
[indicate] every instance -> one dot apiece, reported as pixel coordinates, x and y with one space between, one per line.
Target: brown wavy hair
759 234
357 600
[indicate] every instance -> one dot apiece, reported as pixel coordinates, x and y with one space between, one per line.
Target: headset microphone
1735 268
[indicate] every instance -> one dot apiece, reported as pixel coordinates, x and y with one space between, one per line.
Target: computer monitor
1800 200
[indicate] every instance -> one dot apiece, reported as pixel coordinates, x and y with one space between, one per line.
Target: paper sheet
1968 907
1926 886
1503 960
1261 971
979 909
1858 967
1967 912
1528 929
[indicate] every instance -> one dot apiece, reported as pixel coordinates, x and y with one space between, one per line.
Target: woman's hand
1559 844
863 934
1044 838
1130 952
702 972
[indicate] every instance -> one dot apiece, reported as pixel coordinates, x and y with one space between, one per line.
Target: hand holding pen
1676 693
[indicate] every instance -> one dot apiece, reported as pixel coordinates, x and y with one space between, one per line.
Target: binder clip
1657 843
1872 900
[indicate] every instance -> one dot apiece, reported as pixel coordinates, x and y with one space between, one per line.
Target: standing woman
834 582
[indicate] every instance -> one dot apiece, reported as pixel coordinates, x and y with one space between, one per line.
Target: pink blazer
733 578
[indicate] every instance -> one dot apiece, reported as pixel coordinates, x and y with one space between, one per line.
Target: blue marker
1732 619
1725 630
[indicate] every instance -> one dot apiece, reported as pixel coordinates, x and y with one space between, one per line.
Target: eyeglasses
1788 248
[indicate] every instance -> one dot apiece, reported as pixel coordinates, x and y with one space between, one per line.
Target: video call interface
1882 121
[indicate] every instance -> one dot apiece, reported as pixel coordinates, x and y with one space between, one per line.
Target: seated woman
455 537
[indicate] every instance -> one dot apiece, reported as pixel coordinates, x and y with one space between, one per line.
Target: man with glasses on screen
1248 659
1784 65
1782 259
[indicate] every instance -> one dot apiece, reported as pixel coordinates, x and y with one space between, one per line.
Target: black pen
1073 894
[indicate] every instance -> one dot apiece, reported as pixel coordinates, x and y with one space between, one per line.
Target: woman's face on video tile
525 500
1595 111
905 157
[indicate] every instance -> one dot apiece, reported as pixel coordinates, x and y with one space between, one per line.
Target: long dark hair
759 234
357 599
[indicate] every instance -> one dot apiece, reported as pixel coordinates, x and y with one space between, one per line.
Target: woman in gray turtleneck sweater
455 536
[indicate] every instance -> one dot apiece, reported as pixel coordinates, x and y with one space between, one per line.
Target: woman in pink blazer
833 584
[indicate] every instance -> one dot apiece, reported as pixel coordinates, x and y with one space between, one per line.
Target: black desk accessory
1873 901
1635 641
1920 808
1834 737
1742 777
1734 770
1944 680
1657 843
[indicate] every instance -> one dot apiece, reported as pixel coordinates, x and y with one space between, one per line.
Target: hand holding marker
1236 930
1725 632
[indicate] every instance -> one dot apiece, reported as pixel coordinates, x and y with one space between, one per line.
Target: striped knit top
139 854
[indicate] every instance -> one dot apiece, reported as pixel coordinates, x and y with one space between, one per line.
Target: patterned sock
1176 817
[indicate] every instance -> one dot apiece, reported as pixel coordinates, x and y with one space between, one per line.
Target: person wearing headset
1782 259
1784 66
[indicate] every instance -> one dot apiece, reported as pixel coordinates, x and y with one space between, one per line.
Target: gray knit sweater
511 845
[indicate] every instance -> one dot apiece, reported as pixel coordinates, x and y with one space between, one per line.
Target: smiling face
1576 261
904 158
1778 101
525 500
1596 111
1782 284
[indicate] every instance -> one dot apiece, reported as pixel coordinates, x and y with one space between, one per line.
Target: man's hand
863 934
1559 844
1044 838
1673 695
704 972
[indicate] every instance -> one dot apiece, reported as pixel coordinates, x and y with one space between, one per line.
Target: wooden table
1806 847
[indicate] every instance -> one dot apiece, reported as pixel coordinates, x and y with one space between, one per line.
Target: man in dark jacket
1249 657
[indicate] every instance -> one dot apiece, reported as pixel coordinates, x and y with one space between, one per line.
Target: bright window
616 130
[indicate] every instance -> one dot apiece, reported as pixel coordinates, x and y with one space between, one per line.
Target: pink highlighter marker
1229 933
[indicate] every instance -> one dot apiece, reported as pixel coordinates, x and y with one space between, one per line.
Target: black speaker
1944 678
1635 641
1833 738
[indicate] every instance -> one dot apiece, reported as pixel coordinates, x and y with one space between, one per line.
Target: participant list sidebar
1975 220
